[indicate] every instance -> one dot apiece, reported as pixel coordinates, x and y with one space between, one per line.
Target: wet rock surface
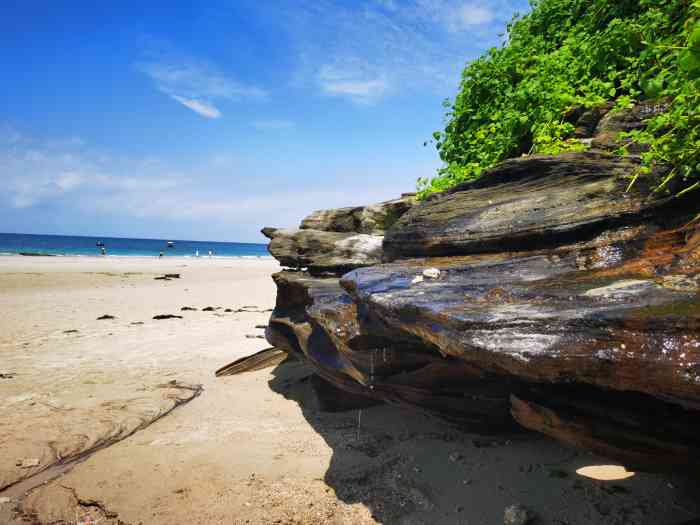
542 296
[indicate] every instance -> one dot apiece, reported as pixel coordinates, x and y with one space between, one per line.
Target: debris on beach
28 463
73 331
160 317
261 326
7 375
263 359
228 310
188 309
252 336
167 277
208 309
136 323
251 310
105 317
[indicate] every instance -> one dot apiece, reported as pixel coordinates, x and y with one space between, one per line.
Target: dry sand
159 440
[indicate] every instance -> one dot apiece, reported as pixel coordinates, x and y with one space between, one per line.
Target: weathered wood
258 361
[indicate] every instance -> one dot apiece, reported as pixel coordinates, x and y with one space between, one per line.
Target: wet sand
122 419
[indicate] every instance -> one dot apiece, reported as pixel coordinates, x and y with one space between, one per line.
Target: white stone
431 273
417 279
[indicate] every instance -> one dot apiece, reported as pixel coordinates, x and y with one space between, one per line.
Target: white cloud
196 85
467 16
273 124
355 83
212 194
203 108
38 172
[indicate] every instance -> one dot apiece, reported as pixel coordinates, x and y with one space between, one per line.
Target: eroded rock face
538 200
338 240
613 123
325 252
374 219
542 295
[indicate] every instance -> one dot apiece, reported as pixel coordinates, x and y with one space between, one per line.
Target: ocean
14 243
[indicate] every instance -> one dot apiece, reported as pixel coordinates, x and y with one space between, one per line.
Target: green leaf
689 61
694 39
652 87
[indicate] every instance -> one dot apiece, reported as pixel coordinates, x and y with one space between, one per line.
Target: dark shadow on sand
409 468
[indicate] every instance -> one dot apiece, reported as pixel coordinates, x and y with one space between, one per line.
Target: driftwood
258 361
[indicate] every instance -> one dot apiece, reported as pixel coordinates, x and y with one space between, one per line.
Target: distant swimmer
210 254
160 254
196 253
103 250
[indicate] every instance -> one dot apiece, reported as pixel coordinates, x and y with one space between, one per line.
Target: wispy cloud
75 180
367 51
359 84
273 124
197 85
203 108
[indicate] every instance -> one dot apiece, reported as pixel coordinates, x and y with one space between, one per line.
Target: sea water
14 243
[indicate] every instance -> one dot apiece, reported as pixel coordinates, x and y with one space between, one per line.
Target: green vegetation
578 53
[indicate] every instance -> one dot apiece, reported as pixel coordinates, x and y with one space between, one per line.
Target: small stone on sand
517 515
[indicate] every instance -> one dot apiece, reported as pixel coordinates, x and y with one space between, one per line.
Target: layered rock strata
543 295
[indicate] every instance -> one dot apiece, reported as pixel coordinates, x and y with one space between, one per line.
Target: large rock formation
336 241
543 295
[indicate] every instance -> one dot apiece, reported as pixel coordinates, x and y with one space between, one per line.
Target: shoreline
142 256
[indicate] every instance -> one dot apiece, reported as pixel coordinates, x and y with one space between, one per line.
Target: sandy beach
121 420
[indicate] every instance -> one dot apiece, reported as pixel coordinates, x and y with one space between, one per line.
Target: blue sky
168 119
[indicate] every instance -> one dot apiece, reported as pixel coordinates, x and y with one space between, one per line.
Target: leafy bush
566 54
